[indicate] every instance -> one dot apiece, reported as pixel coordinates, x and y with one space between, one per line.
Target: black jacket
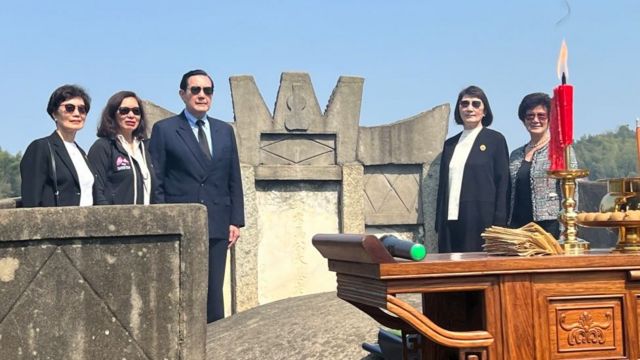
36 171
114 169
484 196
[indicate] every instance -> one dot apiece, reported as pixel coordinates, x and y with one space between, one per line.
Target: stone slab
79 283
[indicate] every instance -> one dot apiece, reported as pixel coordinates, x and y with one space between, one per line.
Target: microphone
403 248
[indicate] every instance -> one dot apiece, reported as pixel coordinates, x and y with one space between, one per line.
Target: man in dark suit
196 161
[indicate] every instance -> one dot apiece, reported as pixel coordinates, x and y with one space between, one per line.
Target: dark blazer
484 197
114 169
37 186
185 175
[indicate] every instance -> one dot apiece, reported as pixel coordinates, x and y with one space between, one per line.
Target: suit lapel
186 134
60 149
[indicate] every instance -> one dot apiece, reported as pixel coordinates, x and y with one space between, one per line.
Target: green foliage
9 174
608 155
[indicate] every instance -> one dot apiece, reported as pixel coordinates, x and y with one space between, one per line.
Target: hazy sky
414 55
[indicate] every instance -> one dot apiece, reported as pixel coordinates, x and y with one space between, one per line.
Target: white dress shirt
456 169
85 176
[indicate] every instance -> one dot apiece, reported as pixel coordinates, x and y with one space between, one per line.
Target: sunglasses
532 116
195 90
123 110
71 108
475 103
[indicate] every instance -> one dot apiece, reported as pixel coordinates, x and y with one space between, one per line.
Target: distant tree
9 174
609 155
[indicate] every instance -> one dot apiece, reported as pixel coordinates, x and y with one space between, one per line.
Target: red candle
564 103
561 125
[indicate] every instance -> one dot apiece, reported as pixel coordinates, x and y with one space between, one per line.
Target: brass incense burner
620 208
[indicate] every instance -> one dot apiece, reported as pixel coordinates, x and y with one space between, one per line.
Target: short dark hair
186 76
64 93
109 126
474 91
531 101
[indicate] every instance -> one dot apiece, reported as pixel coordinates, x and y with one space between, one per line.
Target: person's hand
234 234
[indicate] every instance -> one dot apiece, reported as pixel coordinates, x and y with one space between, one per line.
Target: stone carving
392 195
284 149
320 171
586 331
296 103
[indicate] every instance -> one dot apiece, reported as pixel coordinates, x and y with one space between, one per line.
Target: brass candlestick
568 216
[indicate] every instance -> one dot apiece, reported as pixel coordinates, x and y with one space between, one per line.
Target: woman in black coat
473 192
119 156
54 169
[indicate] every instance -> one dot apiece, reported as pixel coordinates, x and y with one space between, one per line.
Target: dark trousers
217 262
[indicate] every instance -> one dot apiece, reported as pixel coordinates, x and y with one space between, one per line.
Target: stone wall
309 171
80 283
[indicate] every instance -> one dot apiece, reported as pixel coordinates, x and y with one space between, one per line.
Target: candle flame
562 67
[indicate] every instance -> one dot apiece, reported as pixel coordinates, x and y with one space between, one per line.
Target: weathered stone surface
392 194
79 283
352 202
307 172
153 113
343 115
429 190
297 105
319 326
251 117
10 203
290 214
245 271
417 140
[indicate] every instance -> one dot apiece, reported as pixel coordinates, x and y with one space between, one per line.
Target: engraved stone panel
586 328
290 214
302 149
103 282
392 194
75 306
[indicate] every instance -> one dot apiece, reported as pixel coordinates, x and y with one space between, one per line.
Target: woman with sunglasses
473 192
54 169
119 156
535 196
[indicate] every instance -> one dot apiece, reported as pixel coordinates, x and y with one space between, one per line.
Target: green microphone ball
403 248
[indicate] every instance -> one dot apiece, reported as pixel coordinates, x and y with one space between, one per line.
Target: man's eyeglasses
195 90
123 110
71 108
532 116
475 103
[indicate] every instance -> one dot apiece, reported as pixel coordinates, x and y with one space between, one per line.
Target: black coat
114 181
484 196
185 175
36 170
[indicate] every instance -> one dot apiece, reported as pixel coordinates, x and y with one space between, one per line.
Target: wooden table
492 307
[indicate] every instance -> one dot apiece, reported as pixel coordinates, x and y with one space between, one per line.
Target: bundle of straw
529 240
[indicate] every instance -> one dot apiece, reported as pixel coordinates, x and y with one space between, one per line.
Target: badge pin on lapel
483 147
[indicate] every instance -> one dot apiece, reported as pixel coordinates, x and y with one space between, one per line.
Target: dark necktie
202 139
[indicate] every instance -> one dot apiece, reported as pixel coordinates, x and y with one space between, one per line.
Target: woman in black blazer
473 192
54 169
119 156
